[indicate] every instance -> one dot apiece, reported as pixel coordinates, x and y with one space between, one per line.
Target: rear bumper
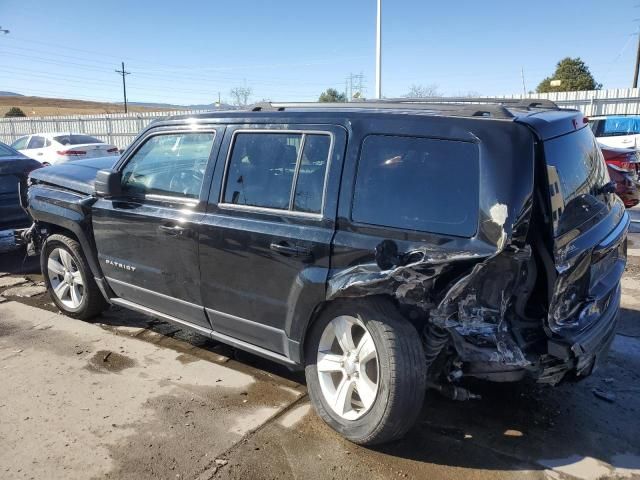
11 239
582 353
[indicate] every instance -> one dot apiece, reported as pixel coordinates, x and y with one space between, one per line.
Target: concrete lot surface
132 397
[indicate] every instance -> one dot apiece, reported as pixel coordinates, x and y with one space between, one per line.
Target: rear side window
76 139
36 142
419 184
20 144
266 167
311 174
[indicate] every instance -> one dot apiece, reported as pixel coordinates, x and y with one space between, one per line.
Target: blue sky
187 51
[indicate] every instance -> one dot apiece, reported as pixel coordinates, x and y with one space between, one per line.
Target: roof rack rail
457 109
496 108
512 102
265 107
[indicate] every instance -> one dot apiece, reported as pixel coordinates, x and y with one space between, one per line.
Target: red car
624 165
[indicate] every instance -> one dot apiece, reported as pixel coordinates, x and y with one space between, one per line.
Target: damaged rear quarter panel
473 306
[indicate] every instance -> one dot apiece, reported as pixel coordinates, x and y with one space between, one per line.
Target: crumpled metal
475 309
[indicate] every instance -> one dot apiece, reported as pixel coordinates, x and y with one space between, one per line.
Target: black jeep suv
386 247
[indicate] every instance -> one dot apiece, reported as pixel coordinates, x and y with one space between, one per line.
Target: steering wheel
186 182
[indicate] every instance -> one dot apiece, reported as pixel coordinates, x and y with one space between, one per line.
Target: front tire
68 278
365 370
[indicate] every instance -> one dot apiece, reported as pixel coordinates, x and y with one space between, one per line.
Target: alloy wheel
65 278
348 369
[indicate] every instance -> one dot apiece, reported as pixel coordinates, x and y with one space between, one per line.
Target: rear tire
381 403
68 278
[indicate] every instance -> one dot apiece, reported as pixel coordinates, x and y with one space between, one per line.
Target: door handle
39 153
290 250
174 230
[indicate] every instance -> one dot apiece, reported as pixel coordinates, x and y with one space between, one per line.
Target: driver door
147 239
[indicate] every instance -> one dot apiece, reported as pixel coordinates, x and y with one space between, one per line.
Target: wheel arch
319 309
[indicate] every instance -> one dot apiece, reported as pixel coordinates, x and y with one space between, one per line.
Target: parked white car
617 131
52 148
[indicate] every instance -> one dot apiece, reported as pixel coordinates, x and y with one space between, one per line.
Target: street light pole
379 51
635 71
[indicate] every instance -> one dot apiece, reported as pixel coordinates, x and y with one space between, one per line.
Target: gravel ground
128 396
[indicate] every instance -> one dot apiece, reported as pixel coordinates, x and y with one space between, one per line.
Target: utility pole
124 73
635 72
379 51
524 85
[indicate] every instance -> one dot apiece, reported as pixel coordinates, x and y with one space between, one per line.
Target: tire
91 301
400 375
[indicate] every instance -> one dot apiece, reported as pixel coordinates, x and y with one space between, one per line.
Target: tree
423 91
573 74
14 112
240 95
331 95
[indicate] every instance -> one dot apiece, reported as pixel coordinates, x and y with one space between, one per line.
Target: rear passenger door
265 239
35 148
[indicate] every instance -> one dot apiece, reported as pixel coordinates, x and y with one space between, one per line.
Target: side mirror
108 184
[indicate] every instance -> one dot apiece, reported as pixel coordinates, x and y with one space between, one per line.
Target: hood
77 175
17 165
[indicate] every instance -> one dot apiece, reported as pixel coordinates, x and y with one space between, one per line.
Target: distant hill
41 106
199 106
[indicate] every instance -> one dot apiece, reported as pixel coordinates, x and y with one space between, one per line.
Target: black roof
544 116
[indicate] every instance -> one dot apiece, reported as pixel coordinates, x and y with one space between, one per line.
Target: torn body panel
476 309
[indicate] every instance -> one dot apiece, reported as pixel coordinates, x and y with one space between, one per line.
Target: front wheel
365 370
69 279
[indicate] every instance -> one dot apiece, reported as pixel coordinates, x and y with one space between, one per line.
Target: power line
124 73
182 76
354 86
190 68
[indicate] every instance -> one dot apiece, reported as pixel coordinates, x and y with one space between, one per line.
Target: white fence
618 101
121 129
116 128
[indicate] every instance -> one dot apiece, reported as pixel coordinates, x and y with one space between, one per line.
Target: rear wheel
69 279
365 370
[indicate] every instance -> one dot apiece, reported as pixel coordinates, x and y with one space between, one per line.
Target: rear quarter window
416 183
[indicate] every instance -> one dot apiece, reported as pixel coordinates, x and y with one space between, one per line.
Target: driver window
170 165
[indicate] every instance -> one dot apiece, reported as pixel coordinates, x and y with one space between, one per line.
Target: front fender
68 210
